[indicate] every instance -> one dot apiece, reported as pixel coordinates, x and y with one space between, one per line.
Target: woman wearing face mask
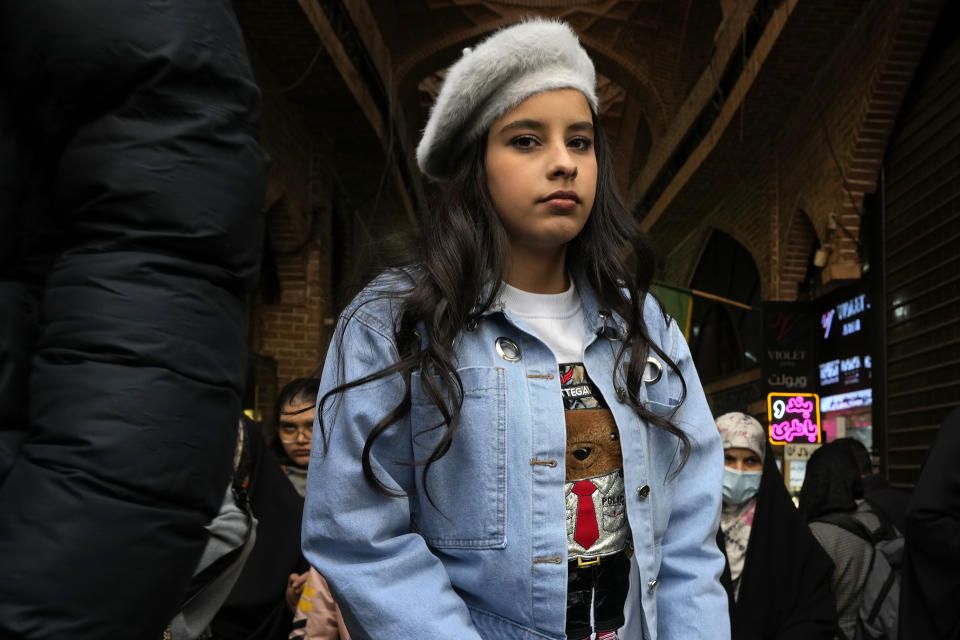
777 576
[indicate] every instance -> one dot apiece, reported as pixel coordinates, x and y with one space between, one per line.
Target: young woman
510 424
296 404
773 595
316 615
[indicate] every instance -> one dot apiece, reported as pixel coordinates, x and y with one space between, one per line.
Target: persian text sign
799 450
793 417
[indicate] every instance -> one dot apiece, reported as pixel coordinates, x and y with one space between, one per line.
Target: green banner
678 303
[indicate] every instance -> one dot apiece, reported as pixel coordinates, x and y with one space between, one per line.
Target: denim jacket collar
598 321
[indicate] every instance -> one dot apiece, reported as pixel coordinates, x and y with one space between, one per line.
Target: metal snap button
621 394
611 333
651 585
653 371
508 349
643 492
607 331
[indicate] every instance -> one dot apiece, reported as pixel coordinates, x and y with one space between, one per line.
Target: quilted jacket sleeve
138 211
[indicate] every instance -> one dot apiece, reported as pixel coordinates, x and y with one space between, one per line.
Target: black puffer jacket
131 190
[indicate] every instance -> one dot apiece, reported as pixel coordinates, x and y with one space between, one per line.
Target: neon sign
793 417
829 372
845 311
849 400
826 321
854 306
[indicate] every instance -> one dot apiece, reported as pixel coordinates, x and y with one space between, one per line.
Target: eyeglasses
290 432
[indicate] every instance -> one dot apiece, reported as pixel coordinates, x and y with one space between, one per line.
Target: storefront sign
847 314
849 400
844 362
850 370
796 472
787 352
799 450
793 417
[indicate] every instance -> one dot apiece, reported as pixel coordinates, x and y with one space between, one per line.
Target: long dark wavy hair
457 274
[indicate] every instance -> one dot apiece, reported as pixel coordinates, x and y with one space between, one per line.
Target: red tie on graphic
585 532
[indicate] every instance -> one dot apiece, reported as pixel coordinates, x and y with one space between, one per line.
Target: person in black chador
889 503
930 583
832 490
777 576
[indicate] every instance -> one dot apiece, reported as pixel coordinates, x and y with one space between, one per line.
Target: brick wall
797 242
832 148
293 329
826 156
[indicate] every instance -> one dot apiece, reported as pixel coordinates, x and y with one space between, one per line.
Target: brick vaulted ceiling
706 101
695 94
829 71
648 54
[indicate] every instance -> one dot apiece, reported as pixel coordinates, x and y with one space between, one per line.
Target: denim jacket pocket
663 396
467 485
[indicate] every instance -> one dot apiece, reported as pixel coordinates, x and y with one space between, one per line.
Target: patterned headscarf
738 430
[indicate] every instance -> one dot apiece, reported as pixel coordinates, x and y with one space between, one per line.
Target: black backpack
880 597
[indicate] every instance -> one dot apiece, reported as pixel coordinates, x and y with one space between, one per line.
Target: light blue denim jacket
491 563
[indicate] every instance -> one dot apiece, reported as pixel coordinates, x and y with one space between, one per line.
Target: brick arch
864 156
740 238
796 246
681 262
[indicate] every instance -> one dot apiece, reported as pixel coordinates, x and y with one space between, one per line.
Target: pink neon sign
793 416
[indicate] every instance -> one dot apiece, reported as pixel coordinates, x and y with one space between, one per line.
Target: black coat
785 591
131 194
889 503
930 583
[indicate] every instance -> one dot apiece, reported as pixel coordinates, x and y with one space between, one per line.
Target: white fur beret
513 64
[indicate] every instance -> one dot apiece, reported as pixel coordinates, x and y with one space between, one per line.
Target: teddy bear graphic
595 499
598 538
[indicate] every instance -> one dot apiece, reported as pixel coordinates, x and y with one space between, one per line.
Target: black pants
605 586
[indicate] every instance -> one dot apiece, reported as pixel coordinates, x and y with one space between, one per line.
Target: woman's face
541 169
742 459
295 429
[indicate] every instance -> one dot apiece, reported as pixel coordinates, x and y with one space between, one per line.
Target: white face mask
740 486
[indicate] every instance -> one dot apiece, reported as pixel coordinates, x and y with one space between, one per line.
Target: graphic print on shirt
595 499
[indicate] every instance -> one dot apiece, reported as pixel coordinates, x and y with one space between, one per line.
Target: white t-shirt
557 318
